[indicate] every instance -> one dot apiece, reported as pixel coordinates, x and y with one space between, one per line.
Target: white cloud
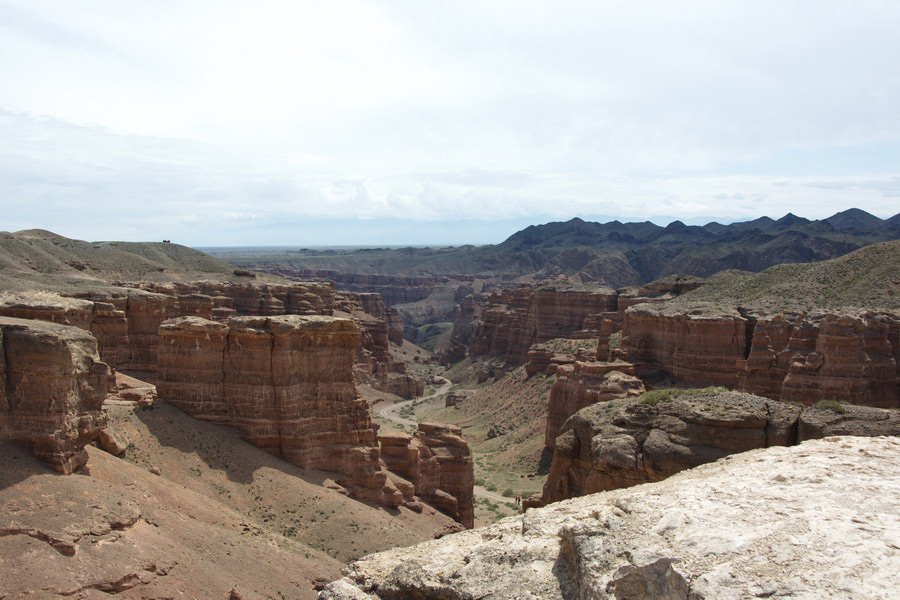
200 113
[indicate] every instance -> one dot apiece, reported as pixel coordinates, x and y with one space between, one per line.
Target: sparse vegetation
615 340
654 397
832 405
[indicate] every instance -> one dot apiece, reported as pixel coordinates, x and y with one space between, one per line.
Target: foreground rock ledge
818 520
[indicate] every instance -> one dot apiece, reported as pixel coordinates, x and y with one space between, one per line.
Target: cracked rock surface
817 520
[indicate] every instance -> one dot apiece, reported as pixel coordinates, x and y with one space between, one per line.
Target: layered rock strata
846 355
584 383
813 521
286 383
437 461
52 386
513 320
104 320
613 445
380 326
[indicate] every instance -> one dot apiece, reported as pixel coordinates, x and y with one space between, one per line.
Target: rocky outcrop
806 522
380 326
584 383
437 461
286 383
259 299
393 289
513 320
847 355
52 386
614 445
103 319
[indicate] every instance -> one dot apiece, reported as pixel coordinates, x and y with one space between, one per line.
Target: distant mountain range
614 253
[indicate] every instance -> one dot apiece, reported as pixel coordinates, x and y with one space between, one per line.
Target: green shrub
509 493
832 405
654 397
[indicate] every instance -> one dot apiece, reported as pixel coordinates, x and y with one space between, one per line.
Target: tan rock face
438 463
849 356
285 382
52 386
808 522
605 447
585 383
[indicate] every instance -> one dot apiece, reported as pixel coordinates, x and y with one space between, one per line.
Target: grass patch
654 397
832 405
615 340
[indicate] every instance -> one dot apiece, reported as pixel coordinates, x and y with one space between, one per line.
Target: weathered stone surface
285 382
584 383
379 326
52 386
613 445
609 446
815 521
847 355
513 320
106 322
437 461
113 441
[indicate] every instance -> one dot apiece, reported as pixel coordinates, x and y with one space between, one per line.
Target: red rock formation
847 355
437 461
605 447
286 383
379 326
102 319
700 348
584 383
258 298
513 320
52 386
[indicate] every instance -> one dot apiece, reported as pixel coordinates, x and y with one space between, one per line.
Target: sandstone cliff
623 443
513 320
52 386
809 522
848 355
584 383
380 326
437 462
285 382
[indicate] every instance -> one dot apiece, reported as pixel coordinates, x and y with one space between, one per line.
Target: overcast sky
355 121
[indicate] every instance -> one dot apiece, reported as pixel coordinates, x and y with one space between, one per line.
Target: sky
354 122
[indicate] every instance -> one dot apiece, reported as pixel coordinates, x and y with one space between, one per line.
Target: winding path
391 413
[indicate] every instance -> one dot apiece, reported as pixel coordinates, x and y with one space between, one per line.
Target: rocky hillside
819 520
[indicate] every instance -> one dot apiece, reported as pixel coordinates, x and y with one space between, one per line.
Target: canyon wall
608 446
285 382
849 355
380 326
513 320
437 461
52 387
584 383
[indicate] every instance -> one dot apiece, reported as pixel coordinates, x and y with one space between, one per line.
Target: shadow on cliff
220 447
